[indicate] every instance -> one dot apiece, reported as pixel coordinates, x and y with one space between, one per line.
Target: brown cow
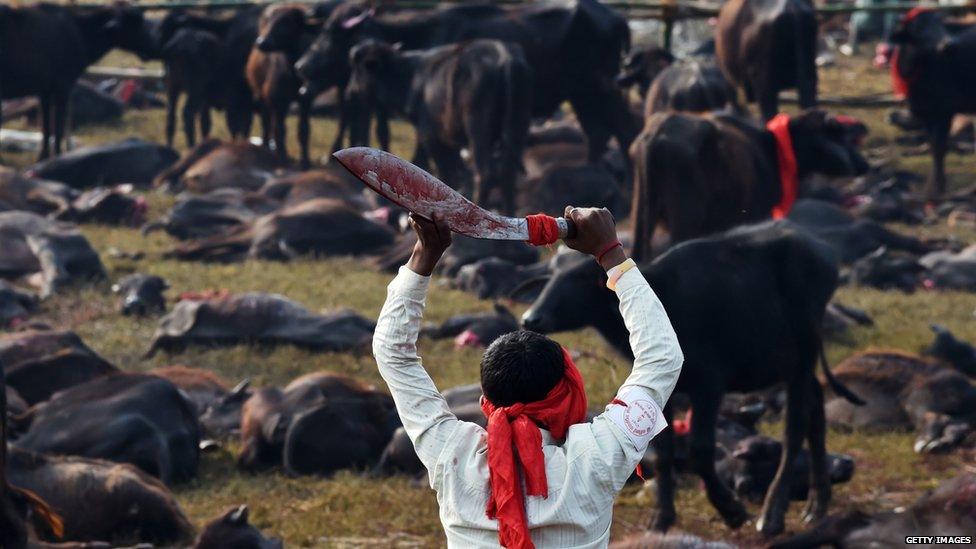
765 46
54 45
696 175
275 84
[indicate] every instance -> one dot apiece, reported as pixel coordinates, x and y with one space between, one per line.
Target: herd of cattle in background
483 85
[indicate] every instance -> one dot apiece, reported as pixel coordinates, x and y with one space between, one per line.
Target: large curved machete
416 190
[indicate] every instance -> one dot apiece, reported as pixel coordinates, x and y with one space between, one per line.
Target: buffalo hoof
770 526
737 516
663 521
815 511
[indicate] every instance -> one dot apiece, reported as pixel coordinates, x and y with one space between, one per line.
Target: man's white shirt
585 471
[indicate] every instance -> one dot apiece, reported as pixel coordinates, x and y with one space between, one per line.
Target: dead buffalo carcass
232 529
330 181
213 165
107 206
907 391
16 502
15 305
41 363
949 510
100 500
19 192
141 294
850 237
320 227
216 212
55 251
319 424
258 318
139 419
128 161
203 388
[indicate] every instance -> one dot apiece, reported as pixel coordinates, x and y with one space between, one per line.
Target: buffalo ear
238 516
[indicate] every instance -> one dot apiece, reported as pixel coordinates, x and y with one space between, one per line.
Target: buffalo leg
939 143
59 117
304 106
343 107
172 96
594 124
702 451
190 109
778 498
817 439
383 128
45 127
205 123
479 145
265 127
666 515
768 99
449 165
278 116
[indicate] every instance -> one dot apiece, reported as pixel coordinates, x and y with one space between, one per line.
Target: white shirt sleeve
425 415
624 430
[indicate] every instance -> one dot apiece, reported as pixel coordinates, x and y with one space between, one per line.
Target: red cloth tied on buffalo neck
899 83
789 178
543 230
513 432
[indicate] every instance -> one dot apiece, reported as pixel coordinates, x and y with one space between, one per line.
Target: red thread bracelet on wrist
599 257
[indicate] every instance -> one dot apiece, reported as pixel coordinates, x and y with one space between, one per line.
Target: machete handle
567 229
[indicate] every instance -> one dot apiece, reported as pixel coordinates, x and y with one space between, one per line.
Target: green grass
351 510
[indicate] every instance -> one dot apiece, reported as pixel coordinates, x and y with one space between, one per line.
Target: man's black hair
521 366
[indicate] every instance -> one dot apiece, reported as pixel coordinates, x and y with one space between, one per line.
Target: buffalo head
326 62
827 145
128 29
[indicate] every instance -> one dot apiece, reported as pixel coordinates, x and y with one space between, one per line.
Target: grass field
352 510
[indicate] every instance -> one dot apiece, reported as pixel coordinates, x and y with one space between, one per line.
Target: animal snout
263 43
134 305
841 468
533 321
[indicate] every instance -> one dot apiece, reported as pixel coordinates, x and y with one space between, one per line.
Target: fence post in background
669 12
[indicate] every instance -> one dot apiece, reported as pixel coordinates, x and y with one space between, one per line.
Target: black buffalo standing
472 95
738 333
45 48
935 63
574 53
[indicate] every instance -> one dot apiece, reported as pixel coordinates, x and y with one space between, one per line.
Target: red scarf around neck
899 83
516 427
789 178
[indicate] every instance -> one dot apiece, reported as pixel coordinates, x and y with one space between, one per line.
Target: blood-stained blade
416 190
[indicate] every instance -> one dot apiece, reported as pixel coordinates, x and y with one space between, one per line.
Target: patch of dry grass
352 510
